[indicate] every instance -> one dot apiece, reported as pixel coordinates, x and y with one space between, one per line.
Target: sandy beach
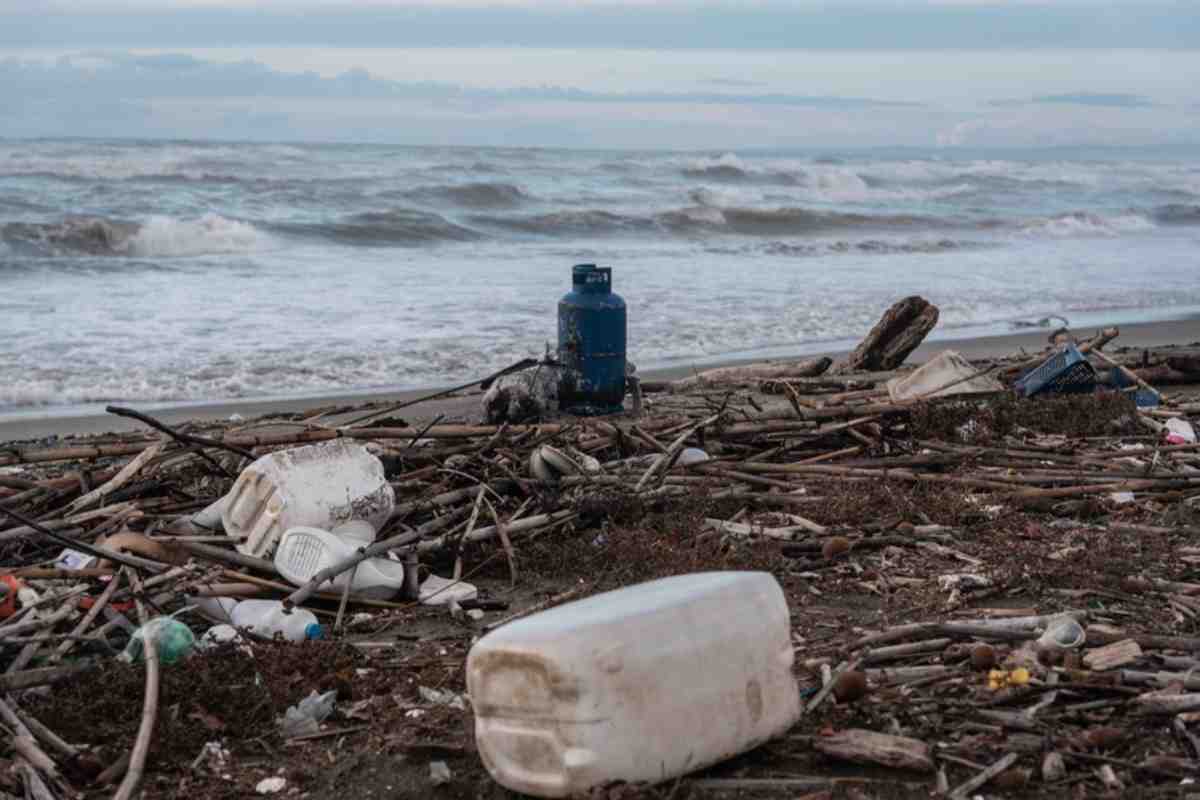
44 423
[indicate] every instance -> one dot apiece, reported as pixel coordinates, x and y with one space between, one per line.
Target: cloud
124 75
180 95
737 24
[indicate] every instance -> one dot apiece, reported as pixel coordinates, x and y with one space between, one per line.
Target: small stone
439 773
1011 779
850 686
835 546
983 656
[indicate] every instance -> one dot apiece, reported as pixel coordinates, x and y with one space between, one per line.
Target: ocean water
154 272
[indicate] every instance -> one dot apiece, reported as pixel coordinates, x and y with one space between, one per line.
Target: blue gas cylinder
591 343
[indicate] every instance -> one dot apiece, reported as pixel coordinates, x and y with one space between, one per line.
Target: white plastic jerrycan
319 486
641 684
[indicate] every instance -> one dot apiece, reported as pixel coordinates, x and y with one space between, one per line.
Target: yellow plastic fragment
1002 679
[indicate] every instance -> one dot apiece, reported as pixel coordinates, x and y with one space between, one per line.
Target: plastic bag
306 716
173 641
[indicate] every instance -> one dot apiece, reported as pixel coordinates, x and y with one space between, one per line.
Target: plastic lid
314 631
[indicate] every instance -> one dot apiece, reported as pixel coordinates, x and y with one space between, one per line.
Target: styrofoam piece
640 684
933 379
303 552
320 486
436 591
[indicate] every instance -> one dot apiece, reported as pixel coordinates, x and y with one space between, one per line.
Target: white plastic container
217 609
641 684
303 552
319 486
266 618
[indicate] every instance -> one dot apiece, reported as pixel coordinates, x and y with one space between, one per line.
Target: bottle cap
314 631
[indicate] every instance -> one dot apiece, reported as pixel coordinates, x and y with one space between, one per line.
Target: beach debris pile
987 591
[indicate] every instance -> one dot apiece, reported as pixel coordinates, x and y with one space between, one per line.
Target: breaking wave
472 195
591 222
1086 223
1177 214
210 234
157 236
398 226
84 236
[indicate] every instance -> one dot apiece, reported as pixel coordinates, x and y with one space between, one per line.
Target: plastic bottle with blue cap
267 618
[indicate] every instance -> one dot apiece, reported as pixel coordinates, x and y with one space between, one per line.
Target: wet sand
46 423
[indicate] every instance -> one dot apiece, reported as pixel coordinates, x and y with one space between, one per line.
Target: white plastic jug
320 486
266 618
641 684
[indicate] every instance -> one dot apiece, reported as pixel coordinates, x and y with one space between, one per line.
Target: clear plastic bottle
268 617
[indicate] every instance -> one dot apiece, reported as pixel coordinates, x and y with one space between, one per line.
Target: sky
607 73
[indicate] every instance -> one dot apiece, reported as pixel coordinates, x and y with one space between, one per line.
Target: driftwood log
868 747
753 373
900 331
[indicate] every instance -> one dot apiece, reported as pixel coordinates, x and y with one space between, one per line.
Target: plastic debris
1064 633
173 641
1180 431
946 374
306 716
441 697
10 590
218 635
73 559
318 486
1004 679
438 591
1065 372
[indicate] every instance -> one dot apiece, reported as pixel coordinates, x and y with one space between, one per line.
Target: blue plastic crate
1065 372
1142 397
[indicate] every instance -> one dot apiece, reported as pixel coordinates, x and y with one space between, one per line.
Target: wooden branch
88 618
141 745
185 438
961 791
41 676
95 550
117 481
